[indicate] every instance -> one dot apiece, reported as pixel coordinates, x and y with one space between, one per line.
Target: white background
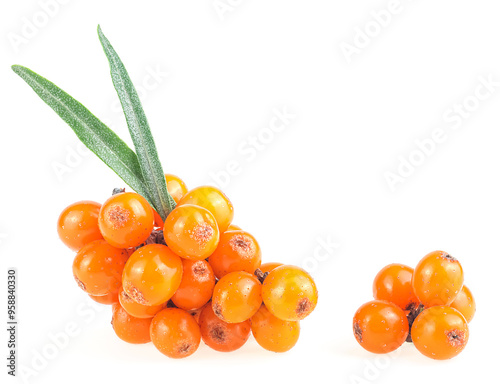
322 179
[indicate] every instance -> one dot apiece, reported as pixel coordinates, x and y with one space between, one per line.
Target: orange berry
237 251
222 336
175 186
289 293
465 303
129 328
197 285
237 297
268 267
191 232
380 326
126 220
440 332
110 298
138 310
152 275
437 279
393 283
77 225
98 268
175 333
215 201
158 222
274 334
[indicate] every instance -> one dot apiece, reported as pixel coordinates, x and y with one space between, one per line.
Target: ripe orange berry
110 298
197 285
437 279
77 225
129 328
237 297
222 336
274 334
215 201
268 267
138 310
175 186
191 232
126 220
289 293
98 268
152 275
237 251
465 303
380 326
175 333
440 332
158 222
393 283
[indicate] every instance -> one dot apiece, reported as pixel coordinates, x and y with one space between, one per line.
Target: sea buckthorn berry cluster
168 259
428 305
193 276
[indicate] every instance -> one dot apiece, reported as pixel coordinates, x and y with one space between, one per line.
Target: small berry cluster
195 276
428 306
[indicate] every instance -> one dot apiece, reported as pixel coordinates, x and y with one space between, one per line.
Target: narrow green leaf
90 130
145 147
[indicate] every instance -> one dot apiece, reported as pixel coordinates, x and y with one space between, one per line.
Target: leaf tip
100 33
18 69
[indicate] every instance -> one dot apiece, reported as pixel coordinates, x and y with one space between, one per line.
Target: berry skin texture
175 187
393 283
197 285
237 251
237 297
274 334
233 227
380 326
440 332
289 293
98 268
222 336
465 303
437 279
126 220
191 232
175 333
138 310
152 275
77 225
268 267
129 328
215 201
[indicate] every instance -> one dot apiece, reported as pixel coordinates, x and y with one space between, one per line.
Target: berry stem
260 275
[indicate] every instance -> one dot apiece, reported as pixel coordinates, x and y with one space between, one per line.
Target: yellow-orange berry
126 220
191 232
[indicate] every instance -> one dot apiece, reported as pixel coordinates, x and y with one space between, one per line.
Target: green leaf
90 130
145 147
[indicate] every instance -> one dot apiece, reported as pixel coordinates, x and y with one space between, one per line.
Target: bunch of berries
428 306
195 276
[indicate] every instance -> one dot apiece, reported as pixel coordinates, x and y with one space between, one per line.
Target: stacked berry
195 276
429 306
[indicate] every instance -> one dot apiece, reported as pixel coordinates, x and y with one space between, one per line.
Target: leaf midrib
136 121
